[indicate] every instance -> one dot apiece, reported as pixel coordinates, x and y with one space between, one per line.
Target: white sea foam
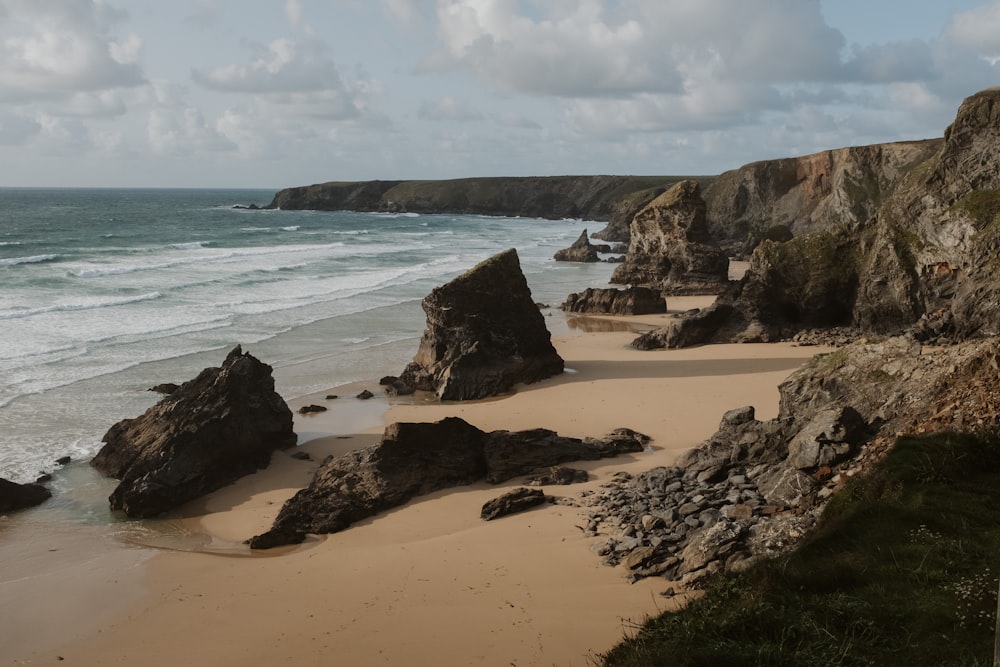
33 259
291 228
82 304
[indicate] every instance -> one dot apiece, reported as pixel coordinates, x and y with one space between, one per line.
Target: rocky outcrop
693 328
670 248
210 431
415 459
14 496
631 300
484 335
612 198
924 257
754 488
512 502
582 250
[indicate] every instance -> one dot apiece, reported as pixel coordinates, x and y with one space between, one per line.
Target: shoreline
430 582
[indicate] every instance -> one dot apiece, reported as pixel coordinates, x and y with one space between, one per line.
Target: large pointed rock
582 250
670 246
209 432
484 335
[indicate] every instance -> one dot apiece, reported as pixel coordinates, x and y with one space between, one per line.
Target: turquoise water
108 292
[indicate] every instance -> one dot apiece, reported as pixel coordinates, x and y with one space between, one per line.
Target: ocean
107 292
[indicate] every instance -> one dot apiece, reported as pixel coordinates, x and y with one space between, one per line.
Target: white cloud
183 131
63 46
293 10
977 29
17 129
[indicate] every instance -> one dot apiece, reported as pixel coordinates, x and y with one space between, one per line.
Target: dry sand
430 583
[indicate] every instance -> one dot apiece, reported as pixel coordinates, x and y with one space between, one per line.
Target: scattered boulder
311 409
365 395
512 502
14 496
165 388
670 247
415 459
484 335
631 300
693 328
212 430
63 460
582 250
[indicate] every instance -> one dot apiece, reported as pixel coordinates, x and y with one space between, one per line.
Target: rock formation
484 335
582 250
631 300
512 502
210 431
415 459
670 248
14 496
924 259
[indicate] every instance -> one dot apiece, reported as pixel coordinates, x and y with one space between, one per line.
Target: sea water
108 292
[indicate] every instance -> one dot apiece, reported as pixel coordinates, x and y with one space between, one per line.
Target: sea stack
484 335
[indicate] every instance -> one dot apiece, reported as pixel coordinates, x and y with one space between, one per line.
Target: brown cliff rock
484 335
631 300
671 249
210 431
582 250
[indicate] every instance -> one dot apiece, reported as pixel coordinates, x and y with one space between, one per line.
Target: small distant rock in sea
63 460
332 397
365 395
310 409
251 207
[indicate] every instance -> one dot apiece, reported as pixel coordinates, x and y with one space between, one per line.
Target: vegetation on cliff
902 569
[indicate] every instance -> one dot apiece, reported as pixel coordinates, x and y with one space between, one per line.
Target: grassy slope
902 570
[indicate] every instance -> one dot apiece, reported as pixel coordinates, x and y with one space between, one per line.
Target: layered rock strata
631 300
484 335
207 433
670 248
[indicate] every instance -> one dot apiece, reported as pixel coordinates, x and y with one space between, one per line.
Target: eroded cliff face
800 195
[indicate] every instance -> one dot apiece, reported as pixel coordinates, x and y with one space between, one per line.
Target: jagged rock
785 486
513 453
165 388
395 386
365 395
556 476
484 335
628 301
827 438
695 328
512 502
581 251
14 496
311 409
670 247
212 430
415 459
708 544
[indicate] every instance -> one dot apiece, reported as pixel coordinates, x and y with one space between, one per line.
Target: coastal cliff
605 198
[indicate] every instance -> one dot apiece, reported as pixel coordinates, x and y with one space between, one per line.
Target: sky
278 93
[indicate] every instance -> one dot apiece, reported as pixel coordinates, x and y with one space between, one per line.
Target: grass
902 570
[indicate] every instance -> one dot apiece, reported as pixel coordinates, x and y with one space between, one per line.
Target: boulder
209 432
632 300
415 459
670 247
556 476
827 439
484 335
14 496
693 328
581 251
512 502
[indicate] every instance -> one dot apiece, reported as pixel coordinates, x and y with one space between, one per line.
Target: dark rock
395 386
14 496
628 301
556 476
411 460
165 388
827 438
63 460
484 335
365 395
512 502
510 454
332 397
581 251
311 409
212 430
301 456
697 328
670 248
44 478
415 459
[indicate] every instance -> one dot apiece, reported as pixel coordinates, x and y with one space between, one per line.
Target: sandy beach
429 583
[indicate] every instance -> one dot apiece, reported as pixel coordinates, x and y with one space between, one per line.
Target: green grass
902 570
983 206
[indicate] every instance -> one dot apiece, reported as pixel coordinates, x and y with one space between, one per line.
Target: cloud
977 29
293 10
183 131
17 129
60 47
448 109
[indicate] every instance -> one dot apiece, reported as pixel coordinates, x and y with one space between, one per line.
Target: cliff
605 198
